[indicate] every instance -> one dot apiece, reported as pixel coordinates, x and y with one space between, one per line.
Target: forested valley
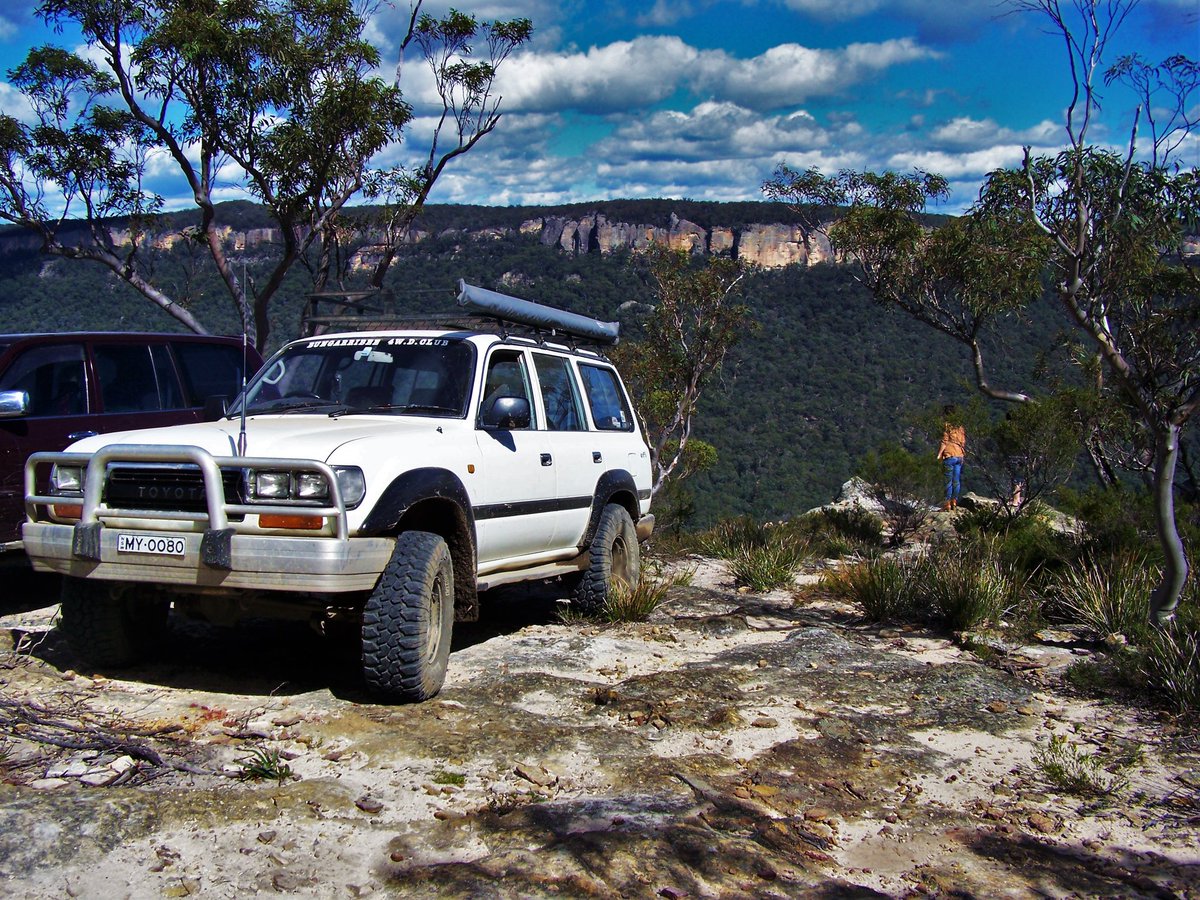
825 375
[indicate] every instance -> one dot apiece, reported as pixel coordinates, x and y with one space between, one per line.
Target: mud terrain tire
613 556
408 620
109 623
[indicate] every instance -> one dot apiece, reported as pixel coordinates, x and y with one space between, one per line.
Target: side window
209 370
506 377
605 398
560 396
53 377
128 382
170 394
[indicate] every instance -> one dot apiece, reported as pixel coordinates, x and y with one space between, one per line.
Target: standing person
951 452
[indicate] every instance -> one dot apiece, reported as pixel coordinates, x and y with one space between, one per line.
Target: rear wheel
614 556
111 623
409 619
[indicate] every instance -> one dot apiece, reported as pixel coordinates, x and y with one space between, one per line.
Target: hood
301 437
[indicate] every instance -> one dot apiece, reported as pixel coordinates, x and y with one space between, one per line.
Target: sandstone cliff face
766 245
770 245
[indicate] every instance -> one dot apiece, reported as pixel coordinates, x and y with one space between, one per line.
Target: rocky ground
737 745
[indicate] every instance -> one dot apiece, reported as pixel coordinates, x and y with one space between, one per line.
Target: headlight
311 486
66 479
272 485
351 483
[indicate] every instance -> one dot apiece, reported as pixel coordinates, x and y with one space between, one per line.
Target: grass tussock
957 588
759 556
637 603
1083 774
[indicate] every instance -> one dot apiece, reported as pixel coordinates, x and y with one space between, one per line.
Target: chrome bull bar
218 509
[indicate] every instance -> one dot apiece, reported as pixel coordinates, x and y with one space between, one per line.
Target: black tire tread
395 620
591 592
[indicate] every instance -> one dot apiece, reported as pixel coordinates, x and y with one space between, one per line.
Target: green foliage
1028 544
441 776
837 531
884 586
1081 773
1106 595
770 565
264 765
954 587
1168 662
695 320
904 482
759 556
963 588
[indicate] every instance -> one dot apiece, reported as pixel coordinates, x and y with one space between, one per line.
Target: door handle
547 459
80 435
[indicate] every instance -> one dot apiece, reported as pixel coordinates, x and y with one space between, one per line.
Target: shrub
1109 596
635 604
883 586
770 565
1079 773
834 532
729 538
963 588
1169 665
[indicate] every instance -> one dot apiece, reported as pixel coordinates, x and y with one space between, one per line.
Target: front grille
167 488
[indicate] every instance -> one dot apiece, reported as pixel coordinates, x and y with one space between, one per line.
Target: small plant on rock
1083 774
264 765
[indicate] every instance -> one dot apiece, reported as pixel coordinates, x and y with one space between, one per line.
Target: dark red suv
57 388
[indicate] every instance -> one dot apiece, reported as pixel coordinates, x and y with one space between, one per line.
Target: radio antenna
241 444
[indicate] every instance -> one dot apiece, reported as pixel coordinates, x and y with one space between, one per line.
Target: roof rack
483 310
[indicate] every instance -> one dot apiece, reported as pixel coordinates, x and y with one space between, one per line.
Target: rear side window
129 380
210 370
560 397
610 411
53 376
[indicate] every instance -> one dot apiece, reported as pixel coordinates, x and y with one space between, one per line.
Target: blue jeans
953 467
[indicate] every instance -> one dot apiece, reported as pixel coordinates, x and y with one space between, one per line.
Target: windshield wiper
396 407
290 404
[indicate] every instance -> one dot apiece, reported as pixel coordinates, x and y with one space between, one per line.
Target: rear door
576 453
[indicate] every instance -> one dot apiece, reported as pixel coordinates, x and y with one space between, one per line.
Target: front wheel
109 623
408 620
614 556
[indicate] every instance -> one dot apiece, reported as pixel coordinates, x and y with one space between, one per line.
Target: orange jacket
954 442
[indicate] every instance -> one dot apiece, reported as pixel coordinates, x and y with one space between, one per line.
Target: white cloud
965 132
618 76
789 73
13 103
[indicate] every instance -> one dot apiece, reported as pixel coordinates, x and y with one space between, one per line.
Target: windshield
344 376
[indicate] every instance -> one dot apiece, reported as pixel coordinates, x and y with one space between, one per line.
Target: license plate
152 544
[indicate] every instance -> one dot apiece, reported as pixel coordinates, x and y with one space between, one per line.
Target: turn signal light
312 523
67 512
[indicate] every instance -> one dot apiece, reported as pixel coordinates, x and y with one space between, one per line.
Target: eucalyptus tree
696 318
279 98
1103 227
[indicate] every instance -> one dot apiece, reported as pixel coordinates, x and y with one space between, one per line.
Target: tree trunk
1165 597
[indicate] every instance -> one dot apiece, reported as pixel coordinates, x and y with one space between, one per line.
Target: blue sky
701 99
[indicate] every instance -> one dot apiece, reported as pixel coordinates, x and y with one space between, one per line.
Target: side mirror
214 407
13 404
508 413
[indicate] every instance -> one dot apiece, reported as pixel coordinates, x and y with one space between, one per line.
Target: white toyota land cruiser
389 474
